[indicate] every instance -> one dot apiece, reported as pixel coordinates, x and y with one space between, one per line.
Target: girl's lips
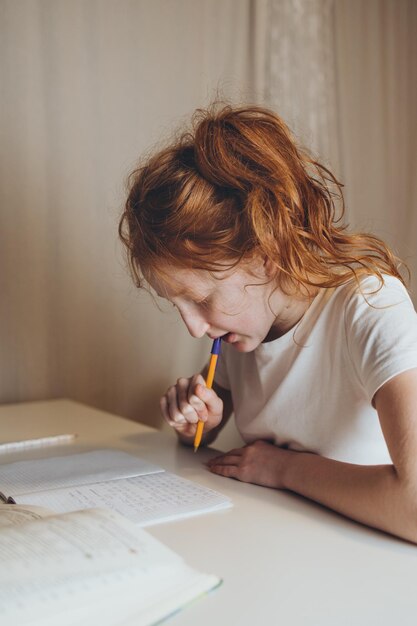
229 337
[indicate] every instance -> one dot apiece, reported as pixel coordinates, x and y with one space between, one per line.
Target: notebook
141 491
89 567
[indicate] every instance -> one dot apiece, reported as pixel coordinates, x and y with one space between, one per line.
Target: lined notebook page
145 500
75 469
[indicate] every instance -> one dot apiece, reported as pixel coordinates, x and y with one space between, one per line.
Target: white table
284 560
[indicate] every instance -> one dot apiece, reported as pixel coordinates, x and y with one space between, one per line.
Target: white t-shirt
312 388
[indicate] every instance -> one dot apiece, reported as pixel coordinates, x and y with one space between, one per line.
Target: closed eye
203 303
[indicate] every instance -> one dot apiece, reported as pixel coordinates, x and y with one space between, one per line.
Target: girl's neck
289 317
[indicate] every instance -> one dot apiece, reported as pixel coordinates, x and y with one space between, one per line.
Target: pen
11 446
215 351
6 500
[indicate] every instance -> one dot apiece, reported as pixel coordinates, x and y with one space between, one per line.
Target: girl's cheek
218 321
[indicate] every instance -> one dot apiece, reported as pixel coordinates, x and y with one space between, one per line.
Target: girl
237 227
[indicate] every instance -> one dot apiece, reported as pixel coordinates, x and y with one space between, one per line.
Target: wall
89 86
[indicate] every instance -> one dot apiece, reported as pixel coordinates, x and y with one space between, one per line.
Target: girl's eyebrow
188 293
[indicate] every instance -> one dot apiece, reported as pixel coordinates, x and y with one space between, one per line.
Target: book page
81 543
123 598
145 500
12 514
90 567
30 476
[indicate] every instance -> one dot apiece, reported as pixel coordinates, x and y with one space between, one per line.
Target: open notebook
88 567
111 479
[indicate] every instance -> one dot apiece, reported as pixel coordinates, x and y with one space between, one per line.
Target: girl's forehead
175 282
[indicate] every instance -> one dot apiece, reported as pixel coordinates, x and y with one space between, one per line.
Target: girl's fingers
184 427
189 401
185 407
163 403
174 412
227 465
233 457
209 398
227 459
195 402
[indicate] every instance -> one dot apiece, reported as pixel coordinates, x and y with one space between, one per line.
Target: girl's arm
382 496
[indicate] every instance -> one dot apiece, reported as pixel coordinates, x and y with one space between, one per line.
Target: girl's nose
195 323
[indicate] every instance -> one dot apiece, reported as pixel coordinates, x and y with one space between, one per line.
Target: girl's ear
270 268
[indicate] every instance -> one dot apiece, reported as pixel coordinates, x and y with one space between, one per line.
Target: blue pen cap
216 346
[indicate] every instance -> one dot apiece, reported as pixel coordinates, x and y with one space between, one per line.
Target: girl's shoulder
373 301
373 291
361 299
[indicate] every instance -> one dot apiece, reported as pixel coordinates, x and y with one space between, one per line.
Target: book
141 491
88 567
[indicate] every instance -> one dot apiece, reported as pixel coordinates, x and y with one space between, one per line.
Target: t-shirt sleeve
381 332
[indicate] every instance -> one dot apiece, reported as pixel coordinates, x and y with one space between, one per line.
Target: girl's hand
260 463
189 401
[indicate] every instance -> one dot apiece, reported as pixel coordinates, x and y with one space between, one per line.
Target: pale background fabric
89 85
376 60
301 72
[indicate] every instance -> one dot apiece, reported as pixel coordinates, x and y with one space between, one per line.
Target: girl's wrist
289 469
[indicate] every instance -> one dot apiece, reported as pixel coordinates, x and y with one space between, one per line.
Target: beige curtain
89 85
376 57
343 73
300 76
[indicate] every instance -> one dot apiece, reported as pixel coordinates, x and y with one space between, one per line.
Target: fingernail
180 419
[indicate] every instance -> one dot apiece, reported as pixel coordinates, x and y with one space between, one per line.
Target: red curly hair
235 186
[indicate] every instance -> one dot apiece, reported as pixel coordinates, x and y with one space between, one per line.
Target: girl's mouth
229 337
